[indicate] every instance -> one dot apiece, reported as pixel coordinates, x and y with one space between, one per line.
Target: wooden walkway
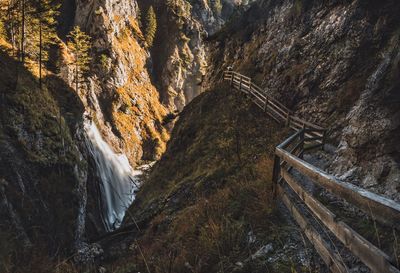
289 156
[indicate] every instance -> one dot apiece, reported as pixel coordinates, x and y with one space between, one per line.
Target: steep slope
334 62
178 57
207 205
51 195
43 173
119 94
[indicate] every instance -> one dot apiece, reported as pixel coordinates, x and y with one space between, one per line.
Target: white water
118 179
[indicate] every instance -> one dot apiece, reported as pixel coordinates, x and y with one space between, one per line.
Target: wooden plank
245 89
312 147
297 147
313 133
280 105
369 254
246 81
311 136
259 89
258 94
309 124
383 209
296 123
244 77
270 108
261 94
296 150
311 139
275 118
289 140
228 73
237 81
277 108
259 104
331 259
294 127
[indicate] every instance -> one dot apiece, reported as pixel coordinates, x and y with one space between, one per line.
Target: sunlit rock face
179 59
119 94
335 63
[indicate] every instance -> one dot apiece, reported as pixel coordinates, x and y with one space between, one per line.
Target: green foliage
217 6
151 26
80 45
104 61
38 20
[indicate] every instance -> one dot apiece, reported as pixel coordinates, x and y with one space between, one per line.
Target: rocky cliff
335 63
43 168
119 94
178 57
207 205
49 187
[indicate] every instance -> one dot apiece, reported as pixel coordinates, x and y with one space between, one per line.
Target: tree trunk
22 46
11 27
76 78
40 53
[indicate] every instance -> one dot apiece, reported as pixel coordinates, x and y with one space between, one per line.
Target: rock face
179 54
43 170
119 95
334 63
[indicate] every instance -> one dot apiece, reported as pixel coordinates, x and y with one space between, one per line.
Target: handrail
288 155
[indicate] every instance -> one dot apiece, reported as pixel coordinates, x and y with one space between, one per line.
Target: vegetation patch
210 192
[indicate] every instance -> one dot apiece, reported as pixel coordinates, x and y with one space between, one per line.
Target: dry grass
210 189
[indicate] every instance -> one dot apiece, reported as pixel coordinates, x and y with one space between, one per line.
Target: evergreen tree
151 26
46 12
12 22
217 6
31 27
79 44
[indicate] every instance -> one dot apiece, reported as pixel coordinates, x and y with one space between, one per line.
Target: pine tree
11 24
31 27
151 26
79 44
217 6
46 12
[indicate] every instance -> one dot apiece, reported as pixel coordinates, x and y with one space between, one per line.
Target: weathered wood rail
289 156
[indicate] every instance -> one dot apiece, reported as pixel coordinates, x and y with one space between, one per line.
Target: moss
36 136
218 159
140 122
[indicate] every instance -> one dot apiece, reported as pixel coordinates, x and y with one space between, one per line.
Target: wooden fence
288 157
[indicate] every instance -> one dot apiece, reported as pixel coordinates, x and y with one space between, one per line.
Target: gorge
77 123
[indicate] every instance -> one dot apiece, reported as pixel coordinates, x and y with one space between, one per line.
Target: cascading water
118 179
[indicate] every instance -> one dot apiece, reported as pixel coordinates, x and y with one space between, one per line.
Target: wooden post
288 119
232 76
275 175
323 139
266 104
302 138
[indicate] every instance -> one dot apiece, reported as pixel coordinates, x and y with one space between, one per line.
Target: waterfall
118 179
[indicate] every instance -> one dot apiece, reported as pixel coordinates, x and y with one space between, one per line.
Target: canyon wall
333 62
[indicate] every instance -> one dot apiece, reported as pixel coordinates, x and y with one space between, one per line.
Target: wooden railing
289 156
